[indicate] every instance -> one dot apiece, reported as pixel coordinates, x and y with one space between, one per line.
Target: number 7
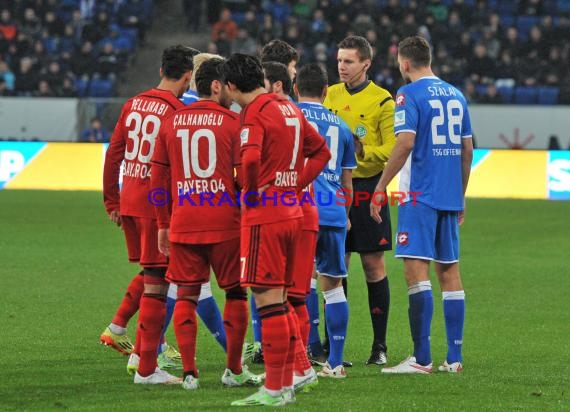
294 121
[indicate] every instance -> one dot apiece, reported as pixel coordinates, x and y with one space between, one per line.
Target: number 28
454 115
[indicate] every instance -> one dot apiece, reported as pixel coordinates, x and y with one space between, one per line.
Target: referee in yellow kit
369 111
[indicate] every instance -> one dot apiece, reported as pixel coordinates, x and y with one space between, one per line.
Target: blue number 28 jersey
437 113
332 211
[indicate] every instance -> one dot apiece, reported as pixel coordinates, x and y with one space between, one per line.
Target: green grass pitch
64 271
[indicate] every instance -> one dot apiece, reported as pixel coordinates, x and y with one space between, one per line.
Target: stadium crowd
497 51
68 48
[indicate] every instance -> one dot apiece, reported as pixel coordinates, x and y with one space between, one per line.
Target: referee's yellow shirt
370 115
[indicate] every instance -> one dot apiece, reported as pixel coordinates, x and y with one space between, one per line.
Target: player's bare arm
346 183
466 161
403 148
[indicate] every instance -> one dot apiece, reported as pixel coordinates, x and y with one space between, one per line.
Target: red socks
185 328
235 324
151 320
275 342
130 303
304 322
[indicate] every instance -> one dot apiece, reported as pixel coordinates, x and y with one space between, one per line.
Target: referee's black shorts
366 235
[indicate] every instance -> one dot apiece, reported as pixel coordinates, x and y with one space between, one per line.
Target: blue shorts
330 251
427 233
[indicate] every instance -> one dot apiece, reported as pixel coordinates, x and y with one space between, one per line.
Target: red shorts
267 254
190 263
305 248
141 234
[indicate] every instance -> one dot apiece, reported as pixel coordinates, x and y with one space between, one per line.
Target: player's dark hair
360 44
177 60
311 80
206 74
279 51
417 50
275 72
244 71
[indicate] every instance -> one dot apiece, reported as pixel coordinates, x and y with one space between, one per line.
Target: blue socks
255 320
210 314
313 309
336 314
420 313
454 313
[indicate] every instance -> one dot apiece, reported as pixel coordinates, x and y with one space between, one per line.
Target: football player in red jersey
275 139
133 142
278 81
197 150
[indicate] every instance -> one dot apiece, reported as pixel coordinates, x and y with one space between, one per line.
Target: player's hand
461 217
115 217
376 205
358 147
348 225
163 242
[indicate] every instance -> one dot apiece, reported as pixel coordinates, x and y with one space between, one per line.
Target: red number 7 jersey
279 131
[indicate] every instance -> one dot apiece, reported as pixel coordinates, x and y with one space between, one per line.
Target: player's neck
303 99
170 86
421 73
247 98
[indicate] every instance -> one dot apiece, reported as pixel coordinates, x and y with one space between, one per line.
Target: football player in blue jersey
333 191
433 153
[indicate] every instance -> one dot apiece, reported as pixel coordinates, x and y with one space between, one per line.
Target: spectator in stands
409 27
505 67
53 24
97 29
470 92
553 70
53 76
480 67
7 76
223 44
491 96
319 29
95 133
107 63
225 25
26 77
251 23
512 42
83 61
31 25
133 14
530 7
44 90
68 88
4 92
280 11
491 43
7 25
535 46
244 43
553 143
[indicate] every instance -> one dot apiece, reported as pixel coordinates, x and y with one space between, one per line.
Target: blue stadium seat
507 7
525 23
548 95
81 86
506 93
101 88
526 95
563 6
506 20
481 89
